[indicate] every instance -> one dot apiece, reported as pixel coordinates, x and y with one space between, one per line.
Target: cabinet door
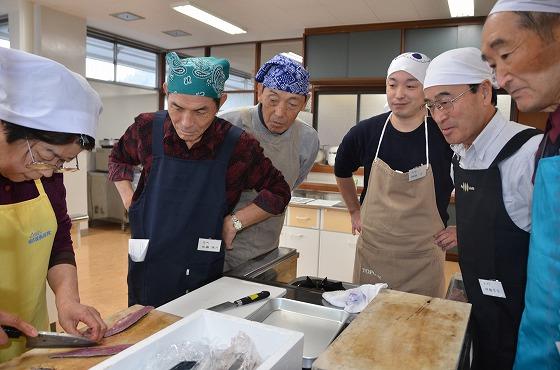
306 241
336 255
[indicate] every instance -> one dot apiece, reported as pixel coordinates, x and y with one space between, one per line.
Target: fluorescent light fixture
461 8
209 19
298 58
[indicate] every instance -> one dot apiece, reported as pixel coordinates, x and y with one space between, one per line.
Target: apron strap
425 131
514 144
40 188
229 143
381 137
157 133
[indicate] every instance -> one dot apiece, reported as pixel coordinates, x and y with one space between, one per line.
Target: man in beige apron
291 145
407 164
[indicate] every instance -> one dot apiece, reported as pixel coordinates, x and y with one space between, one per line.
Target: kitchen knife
46 339
241 301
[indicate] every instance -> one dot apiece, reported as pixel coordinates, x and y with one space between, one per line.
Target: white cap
544 6
39 93
462 66
413 63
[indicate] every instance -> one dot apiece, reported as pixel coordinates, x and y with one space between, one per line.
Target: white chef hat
39 93
413 63
461 66
545 6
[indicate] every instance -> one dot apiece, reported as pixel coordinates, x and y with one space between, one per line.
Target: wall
120 106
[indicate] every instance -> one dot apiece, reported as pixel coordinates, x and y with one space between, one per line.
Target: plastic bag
241 354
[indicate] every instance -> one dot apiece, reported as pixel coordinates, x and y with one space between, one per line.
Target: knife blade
240 302
46 339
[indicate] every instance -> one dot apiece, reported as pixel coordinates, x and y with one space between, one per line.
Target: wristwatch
236 223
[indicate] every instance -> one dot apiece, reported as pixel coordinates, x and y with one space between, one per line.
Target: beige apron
399 220
283 151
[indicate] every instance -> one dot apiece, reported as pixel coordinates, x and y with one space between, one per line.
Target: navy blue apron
491 247
182 201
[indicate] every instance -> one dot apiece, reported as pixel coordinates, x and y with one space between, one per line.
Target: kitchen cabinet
336 255
306 241
323 239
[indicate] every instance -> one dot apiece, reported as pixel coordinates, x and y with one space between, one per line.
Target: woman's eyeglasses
42 166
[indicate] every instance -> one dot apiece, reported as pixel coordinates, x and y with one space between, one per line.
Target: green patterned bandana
197 76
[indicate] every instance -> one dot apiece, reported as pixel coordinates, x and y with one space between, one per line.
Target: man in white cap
290 143
521 41
492 168
48 115
406 162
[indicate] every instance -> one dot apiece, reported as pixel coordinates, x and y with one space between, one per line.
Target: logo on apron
38 236
466 187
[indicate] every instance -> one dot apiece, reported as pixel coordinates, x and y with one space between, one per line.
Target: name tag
209 245
492 288
416 173
558 347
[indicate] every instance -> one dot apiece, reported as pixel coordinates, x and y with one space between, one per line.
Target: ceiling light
461 8
176 33
209 19
127 16
298 58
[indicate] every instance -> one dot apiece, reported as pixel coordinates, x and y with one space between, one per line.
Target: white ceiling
263 19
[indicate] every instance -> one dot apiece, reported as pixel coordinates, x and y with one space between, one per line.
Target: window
4 33
113 61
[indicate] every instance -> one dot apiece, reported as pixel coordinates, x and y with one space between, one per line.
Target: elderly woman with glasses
492 166
48 115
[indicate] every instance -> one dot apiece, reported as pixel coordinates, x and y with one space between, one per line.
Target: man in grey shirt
290 143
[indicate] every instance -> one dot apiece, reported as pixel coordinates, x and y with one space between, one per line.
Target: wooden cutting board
400 330
39 358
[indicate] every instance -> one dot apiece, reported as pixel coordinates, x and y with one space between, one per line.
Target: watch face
236 223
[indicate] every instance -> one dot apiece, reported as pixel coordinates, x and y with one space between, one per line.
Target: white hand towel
356 299
137 249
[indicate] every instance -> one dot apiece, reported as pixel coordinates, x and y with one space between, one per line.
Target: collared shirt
516 171
248 167
16 192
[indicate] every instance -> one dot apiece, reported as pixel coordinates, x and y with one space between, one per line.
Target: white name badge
492 288
416 173
209 245
558 347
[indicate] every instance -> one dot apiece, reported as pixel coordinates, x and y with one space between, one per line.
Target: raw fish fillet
127 321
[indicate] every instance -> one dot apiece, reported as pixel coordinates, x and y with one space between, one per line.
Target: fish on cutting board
127 321
92 351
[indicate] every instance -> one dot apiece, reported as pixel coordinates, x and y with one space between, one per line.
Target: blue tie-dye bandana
283 73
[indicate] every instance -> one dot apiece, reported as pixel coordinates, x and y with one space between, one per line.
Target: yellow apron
26 237
399 218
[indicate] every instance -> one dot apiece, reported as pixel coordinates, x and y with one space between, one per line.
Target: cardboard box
279 349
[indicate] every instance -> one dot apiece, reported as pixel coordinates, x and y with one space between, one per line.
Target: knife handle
252 298
11 332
